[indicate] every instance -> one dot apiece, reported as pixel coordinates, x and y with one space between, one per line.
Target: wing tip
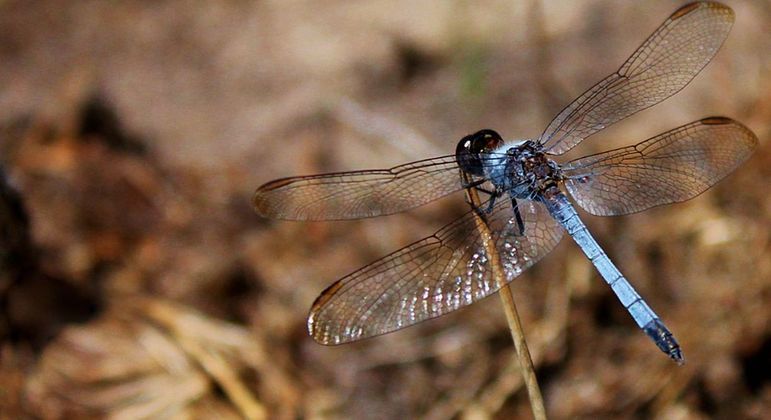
275 184
716 121
313 331
325 296
690 7
751 137
264 202
320 335
261 204
260 200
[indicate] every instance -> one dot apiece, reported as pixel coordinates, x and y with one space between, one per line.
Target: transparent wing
667 61
358 194
674 166
433 276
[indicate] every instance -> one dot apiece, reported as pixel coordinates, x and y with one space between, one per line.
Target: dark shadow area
99 121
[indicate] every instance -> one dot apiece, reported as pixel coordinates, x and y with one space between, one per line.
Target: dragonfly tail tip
677 356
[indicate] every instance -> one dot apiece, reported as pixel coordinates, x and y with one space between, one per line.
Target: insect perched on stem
527 210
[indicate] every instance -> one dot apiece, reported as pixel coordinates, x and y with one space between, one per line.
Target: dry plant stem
510 308
523 353
212 363
236 391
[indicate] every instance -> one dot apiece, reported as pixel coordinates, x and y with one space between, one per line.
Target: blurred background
137 282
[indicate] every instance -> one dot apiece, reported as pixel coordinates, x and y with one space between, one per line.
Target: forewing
667 61
674 166
358 194
433 276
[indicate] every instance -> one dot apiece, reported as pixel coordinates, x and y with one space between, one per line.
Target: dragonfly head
474 149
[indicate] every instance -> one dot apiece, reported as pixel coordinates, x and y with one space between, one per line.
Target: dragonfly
526 204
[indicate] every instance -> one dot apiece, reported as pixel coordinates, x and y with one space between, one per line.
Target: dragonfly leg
518 216
490 204
477 185
473 184
494 194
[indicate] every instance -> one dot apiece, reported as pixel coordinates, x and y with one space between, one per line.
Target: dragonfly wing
671 167
665 63
358 194
433 276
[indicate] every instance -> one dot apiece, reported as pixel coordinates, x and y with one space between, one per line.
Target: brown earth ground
137 282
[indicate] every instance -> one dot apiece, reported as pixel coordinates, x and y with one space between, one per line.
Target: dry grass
136 281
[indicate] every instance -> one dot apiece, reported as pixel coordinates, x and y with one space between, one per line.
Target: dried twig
209 359
512 317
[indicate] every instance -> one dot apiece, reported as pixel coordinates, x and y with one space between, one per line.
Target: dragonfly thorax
520 168
527 171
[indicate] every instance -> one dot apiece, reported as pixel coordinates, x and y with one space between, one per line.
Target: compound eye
471 149
485 141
